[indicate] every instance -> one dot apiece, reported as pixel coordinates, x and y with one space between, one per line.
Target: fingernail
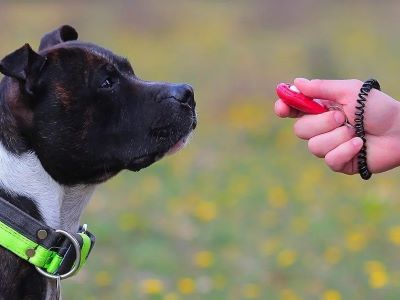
339 117
357 142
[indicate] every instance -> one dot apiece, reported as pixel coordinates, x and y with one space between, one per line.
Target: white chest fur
60 206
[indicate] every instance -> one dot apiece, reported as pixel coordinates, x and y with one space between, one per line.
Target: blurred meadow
244 212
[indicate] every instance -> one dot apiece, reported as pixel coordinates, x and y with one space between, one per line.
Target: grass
244 212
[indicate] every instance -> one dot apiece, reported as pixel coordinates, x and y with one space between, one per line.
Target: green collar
56 254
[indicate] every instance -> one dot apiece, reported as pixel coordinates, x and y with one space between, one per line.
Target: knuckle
297 128
318 83
355 83
301 131
332 164
315 148
348 172
336 119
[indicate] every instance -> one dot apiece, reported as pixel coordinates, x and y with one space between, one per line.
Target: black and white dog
72 115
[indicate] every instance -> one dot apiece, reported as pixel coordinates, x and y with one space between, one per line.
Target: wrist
382 114
395 108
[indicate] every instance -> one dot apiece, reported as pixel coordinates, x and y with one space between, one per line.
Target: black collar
53 252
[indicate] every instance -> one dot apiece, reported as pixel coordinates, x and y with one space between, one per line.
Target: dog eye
107 84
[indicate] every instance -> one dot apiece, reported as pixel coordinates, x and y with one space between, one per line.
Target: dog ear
24 65
63 34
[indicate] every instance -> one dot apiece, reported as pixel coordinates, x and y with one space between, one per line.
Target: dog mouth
146 160
170 143
179 145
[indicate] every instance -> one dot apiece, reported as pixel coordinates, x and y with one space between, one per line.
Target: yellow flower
394 235
378 279
186 286
288 294
152 286
377 276
103 279
251 291
331 295
204 259
277 197
286 258
206 211
332 255
356 241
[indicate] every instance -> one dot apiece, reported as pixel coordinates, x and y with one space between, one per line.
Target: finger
333 90
339 158
351 167
309 126
321 144
285 111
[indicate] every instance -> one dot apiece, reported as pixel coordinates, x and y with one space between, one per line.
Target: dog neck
22 174
25 183
59 206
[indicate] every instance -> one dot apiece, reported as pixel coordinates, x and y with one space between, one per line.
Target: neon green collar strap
54 253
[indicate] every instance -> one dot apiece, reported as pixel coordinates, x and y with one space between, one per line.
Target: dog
73 115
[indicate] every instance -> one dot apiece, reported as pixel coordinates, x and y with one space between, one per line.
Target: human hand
329 138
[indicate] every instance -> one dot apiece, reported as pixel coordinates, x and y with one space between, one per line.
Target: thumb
332 90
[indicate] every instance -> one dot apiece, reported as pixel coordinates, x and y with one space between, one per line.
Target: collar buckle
76 265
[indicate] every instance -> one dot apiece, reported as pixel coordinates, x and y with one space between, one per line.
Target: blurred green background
244 212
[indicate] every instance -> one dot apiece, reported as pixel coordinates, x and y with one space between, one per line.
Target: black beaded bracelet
359 125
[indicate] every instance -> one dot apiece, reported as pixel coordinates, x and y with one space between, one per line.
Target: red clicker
291 96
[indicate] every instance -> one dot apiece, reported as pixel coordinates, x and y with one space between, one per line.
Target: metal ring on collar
75 267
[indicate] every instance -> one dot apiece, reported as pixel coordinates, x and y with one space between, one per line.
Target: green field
244 212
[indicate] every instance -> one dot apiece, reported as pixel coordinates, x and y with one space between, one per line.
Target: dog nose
183 93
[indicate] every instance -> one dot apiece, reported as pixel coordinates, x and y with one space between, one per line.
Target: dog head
85 113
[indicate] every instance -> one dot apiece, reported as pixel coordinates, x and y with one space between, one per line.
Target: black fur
85 133
87 116
18 279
